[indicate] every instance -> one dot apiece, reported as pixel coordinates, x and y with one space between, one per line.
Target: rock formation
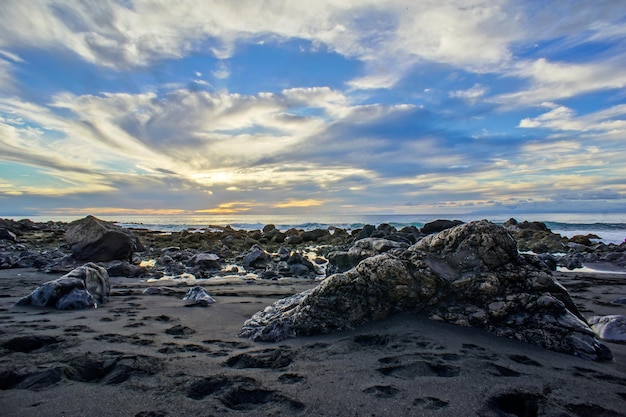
470 275
95 240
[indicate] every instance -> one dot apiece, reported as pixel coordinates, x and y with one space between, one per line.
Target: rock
314 235
364 248
610 328
582 240
124 269
470 275
6 234
206 261
158 291
256 258
366 231
198 296
84 287
96 281
293 240
439 225
535 237
99 241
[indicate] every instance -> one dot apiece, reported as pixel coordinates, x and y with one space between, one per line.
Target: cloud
550 81
470 95
389 38
609 122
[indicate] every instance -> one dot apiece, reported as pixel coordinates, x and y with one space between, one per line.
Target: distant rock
470 275
535 237
95 240
84 287
439 226
205 260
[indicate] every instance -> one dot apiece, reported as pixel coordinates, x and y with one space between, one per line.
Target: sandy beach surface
151 355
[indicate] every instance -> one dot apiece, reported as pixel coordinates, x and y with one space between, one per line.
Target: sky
332 106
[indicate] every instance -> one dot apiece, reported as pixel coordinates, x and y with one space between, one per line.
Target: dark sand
149 355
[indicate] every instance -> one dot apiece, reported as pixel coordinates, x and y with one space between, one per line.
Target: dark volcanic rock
342 261
535 237
84 287
99 241
439 225
470 275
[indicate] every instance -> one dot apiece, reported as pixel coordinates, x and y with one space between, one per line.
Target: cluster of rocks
470 275
58 247
467 274
571 252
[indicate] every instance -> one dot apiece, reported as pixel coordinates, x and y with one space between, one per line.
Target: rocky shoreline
269 253
369 321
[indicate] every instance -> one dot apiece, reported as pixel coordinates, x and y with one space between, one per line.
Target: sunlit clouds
214 107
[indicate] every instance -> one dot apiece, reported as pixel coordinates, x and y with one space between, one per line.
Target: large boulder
84 287
470 275
95 240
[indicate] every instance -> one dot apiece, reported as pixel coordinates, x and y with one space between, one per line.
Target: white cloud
207 139
472 94
610 121
391 37
551 81
222 71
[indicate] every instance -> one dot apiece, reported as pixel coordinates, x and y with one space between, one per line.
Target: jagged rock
198 296
470 275
206 261
99 241
96 280
610 328
84 287
535 237
256 258
342 261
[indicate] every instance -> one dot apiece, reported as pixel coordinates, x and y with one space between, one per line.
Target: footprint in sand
430 403
382 391
266 359
421 368
240 393
30 343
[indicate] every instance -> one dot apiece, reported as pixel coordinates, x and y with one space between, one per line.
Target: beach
151 355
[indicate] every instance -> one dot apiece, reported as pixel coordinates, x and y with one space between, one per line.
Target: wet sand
150 355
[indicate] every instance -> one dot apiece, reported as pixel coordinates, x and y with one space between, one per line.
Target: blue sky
397 106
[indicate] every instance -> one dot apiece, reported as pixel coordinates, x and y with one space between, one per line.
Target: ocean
610 227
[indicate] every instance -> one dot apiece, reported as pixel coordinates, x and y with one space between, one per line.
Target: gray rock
610 328
84 287
206 261
256 258
124 269
198 296
158 291
470 275
342 261
96 281
99 241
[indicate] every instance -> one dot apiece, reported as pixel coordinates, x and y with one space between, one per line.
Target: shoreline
174 360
